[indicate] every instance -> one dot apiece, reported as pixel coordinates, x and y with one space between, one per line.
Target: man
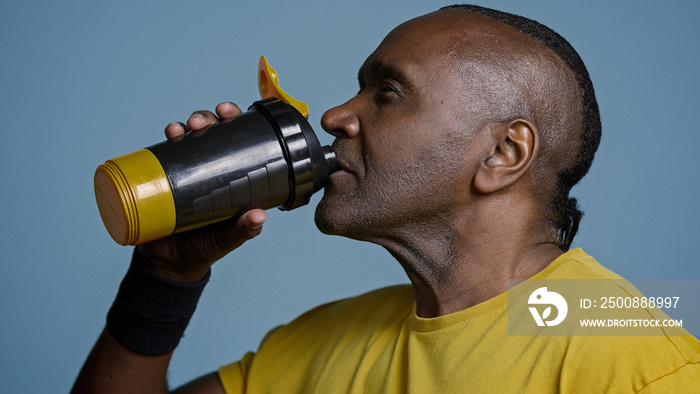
457 155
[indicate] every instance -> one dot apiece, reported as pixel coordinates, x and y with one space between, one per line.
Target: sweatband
150 313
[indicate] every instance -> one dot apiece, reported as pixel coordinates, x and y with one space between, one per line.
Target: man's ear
514 145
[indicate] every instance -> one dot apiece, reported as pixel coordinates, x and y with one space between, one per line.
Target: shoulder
576 264
633 363
661 362
335 330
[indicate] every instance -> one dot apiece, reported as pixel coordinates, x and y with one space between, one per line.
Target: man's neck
452 270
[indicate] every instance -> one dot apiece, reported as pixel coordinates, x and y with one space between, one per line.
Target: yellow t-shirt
375 343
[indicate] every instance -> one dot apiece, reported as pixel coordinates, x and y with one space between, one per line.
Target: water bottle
267 157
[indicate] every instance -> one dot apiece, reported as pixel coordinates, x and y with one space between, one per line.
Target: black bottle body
267 157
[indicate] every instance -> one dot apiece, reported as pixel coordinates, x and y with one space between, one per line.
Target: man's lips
344 167
343 177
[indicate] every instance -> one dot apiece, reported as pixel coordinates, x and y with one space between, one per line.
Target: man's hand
187 256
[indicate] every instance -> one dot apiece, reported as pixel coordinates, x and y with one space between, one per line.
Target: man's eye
387 88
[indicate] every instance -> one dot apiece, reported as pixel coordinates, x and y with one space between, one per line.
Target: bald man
457 155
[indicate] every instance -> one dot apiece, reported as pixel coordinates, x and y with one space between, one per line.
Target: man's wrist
150 313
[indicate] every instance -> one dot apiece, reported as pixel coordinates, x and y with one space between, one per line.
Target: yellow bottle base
134 198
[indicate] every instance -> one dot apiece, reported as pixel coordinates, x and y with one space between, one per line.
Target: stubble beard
389 202
376 209
399 216
345 213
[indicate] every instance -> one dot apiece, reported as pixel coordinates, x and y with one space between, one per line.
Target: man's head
570 130
437 92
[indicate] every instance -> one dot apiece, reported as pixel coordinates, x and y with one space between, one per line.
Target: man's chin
340 215
334 218
324 219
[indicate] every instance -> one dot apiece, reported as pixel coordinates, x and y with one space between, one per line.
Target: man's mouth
344 167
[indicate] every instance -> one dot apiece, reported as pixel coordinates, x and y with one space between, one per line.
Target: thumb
246 227
252 221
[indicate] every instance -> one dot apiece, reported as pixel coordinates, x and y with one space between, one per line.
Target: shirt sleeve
234 376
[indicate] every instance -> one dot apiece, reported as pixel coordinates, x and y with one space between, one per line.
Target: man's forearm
144 326
112 368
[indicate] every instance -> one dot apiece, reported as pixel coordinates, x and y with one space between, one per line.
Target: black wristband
151 313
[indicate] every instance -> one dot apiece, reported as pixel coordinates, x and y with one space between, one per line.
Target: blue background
85 81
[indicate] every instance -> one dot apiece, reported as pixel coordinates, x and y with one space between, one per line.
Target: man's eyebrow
379 69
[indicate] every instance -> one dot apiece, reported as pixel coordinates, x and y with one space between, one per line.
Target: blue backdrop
84 81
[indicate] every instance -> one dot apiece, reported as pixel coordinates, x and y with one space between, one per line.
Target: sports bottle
267 157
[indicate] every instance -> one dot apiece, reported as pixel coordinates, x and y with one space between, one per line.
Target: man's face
402 141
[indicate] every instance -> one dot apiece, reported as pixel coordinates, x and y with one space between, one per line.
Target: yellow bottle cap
134 198
268 84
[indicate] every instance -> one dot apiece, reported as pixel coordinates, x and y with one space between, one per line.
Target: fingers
175 130
227 111
200 120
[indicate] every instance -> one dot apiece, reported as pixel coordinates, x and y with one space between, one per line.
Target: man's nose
341 122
